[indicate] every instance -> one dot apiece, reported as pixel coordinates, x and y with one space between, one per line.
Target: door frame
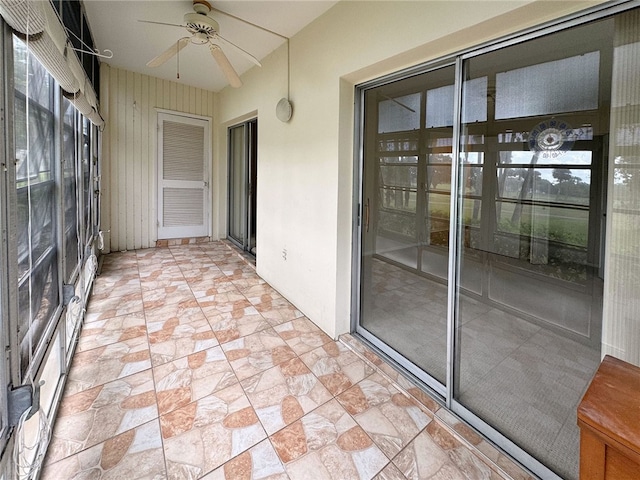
160 113
250 155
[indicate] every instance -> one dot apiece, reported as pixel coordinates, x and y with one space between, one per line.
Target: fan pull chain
178 68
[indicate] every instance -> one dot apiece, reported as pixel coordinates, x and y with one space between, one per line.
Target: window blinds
37 23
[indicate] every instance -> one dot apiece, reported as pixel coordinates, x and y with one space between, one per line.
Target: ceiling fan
203 30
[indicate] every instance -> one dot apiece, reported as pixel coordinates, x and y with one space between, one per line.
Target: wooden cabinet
609 421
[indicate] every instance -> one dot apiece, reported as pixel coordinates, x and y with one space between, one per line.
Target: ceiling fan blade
169 52
225 66
162 23
243 51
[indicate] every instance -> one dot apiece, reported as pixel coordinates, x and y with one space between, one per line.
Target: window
50 208
69 152
87 187
34 127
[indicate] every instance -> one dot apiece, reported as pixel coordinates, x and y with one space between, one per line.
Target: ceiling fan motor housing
200 23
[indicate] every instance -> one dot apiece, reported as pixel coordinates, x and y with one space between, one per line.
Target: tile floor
190 366
523 378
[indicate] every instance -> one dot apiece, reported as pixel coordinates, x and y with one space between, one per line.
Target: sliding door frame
362 213
249 157
8 290
445 393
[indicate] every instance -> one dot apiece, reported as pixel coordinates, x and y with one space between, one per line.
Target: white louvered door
183 176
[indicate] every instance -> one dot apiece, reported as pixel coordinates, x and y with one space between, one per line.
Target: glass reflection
407 197
530 287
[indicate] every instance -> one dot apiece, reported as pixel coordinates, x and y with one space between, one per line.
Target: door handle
205 184
366 215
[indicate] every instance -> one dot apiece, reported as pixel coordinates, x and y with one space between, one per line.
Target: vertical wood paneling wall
128 103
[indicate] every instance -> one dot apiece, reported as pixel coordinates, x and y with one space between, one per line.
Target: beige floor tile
205 272
179 337
187 310
153 255
258 463
337 367
283 394
134 454
159 297
164 262
226 260
248 281
206 290
238 323
302 335
424 459
390 472
363 351
191 378
108 280
92 416
105 364
120 260
460 427
118 288
177 330
114 306
191 262
237 270
261 293
425 399
111 330
161 277
215 428
257 352
218 403
329 443
224 302
278 310
391 418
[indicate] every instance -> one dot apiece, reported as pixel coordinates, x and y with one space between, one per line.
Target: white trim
184 114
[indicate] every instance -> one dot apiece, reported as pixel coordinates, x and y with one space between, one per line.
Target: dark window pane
36 201
69 151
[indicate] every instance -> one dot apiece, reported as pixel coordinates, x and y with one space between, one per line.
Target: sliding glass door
408 136
526 357
494 298
243 163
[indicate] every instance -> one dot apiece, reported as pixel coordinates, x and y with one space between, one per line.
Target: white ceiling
115 26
